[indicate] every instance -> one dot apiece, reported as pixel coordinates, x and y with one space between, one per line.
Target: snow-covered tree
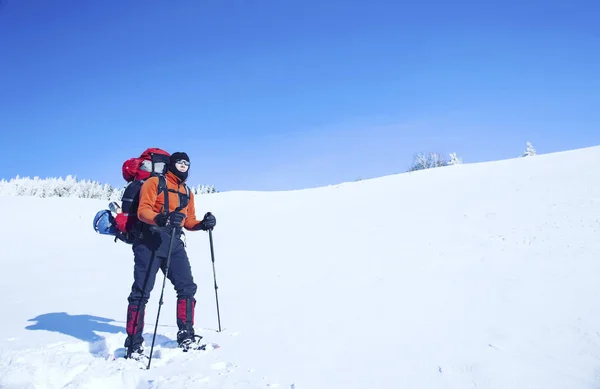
116 194
454 160
58 187
71 187
203 189
66 187
423 161
530 151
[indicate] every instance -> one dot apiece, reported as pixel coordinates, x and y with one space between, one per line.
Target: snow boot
186 337
134 344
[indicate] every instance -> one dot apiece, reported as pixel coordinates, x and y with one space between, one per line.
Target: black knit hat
173 159
177 156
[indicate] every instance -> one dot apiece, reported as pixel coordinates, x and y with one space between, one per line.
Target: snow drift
469 276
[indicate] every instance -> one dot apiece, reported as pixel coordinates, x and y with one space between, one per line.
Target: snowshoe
137 356
134 349
192 343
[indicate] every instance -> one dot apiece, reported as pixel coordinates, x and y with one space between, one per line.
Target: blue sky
286 94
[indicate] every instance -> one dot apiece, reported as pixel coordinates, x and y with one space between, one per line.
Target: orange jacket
151 204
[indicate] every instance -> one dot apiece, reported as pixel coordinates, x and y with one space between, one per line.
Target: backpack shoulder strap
187 200
162 188
182 203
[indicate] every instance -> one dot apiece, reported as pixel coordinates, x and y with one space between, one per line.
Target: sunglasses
183 162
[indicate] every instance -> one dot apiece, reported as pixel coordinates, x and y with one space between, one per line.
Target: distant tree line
431 160
72 187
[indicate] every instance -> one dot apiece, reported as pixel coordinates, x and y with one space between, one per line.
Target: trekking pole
212 254
160 302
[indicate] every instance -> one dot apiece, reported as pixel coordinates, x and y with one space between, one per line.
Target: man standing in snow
151 248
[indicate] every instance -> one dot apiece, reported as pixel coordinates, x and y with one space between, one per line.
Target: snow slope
471 276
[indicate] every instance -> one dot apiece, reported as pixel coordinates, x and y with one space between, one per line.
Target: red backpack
131 168
121 221
152 162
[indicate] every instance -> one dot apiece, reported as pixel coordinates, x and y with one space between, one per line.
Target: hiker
151 247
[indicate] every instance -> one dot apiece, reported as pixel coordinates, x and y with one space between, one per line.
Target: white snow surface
479 275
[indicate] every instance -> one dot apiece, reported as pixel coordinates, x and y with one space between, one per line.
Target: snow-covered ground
471 276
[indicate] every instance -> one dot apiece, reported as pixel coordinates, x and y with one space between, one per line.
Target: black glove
170 219
209 222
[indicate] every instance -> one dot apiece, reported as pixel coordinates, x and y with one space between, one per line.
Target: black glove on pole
160 302
209 222
212 255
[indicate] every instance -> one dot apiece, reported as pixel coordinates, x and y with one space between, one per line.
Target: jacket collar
173 178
